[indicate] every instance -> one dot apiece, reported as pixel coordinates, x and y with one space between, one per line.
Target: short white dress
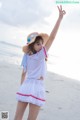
32 90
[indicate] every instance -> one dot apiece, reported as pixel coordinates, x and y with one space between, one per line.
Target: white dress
32 90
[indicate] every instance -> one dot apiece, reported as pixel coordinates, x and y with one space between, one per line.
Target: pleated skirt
32 91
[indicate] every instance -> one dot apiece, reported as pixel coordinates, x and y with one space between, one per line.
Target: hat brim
43 35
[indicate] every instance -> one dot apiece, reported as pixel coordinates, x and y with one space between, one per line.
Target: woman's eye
38 44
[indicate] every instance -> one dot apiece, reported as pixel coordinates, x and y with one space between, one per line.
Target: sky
18 18
22 17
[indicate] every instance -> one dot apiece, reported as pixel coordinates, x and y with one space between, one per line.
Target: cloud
24 12
72 20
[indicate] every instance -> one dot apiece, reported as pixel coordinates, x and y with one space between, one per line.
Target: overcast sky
19 17
24 12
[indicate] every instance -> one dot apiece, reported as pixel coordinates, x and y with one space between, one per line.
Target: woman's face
38 45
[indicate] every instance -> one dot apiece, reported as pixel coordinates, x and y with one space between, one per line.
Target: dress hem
31 96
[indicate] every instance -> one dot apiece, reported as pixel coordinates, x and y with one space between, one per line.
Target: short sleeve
24 62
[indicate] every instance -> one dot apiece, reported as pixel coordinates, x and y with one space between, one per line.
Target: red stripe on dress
31 96
45 52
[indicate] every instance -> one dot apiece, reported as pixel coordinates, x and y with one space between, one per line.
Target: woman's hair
30 48
37 40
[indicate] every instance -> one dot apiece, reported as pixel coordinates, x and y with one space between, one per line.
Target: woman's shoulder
42 54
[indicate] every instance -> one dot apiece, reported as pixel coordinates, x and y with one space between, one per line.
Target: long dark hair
31 46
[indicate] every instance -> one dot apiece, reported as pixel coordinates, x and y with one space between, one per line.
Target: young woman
32 90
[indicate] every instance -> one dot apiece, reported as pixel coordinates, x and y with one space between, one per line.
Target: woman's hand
55 29
61 12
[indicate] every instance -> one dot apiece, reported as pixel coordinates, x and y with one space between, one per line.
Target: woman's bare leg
21 106
33 111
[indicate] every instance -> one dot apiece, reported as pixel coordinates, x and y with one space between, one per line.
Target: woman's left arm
23 76
55 29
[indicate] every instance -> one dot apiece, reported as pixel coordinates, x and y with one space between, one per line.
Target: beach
62 94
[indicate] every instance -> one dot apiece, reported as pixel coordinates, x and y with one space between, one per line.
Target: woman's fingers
64 12
58 8
61 7
61 12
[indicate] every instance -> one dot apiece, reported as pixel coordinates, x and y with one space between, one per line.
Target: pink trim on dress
30 95
45 51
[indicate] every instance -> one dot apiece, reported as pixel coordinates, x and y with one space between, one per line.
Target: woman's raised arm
55 29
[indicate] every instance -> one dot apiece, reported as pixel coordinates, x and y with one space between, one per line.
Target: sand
62 93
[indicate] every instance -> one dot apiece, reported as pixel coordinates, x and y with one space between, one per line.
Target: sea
11 52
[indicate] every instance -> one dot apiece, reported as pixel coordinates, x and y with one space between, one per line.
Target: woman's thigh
21 106
33 111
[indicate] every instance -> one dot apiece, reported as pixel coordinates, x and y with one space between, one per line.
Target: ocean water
60 64
11 53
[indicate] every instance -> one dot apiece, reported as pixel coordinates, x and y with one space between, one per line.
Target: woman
32 90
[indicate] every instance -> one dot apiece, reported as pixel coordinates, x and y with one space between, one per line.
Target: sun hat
31 38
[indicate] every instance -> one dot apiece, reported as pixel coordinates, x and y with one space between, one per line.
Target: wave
10 44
